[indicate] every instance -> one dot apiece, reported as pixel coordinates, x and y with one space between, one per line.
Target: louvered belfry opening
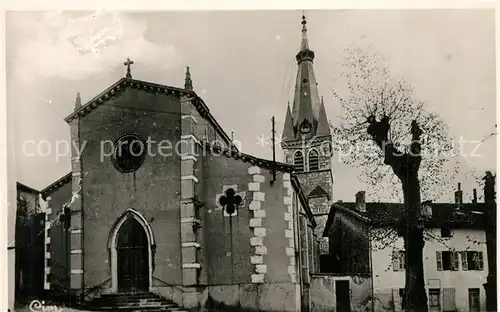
298 161
313 160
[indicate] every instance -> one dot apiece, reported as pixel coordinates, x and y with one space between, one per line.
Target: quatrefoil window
230 201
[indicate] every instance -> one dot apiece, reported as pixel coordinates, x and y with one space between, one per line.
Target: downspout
298 260
371 263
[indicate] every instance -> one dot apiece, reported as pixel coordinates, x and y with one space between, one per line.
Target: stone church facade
160 201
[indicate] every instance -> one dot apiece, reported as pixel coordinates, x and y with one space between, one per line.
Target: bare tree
403 149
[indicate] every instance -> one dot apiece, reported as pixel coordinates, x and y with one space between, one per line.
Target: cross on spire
304 22
128 63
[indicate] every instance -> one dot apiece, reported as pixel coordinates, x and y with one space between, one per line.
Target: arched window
298 161
313 160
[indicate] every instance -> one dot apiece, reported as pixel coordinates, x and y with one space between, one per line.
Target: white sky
243 66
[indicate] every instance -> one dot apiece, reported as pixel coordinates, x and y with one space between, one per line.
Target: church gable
133 111
208 125
118 88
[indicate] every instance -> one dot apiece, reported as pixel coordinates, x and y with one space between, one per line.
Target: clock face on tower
129 154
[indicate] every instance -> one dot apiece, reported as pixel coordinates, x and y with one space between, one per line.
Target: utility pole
274 151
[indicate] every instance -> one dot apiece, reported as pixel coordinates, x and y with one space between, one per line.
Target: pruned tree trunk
491 242
415 295
406 166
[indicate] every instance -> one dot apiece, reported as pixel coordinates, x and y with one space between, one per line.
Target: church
160 204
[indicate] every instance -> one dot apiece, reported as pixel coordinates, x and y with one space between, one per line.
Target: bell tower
306 142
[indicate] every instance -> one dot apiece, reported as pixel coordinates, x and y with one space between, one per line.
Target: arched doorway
132 255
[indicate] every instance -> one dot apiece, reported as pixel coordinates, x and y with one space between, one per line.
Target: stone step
132 302
129 300
138 308
130 295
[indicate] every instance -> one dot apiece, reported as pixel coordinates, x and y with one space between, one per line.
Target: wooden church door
132 255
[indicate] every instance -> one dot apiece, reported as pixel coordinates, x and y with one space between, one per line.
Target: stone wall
59 255
249 255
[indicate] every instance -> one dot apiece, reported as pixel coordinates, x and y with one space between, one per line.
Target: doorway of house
343 296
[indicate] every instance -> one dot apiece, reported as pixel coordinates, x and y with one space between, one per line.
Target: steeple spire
323 128
306 102
306 140
288 133
78 101
304 44
305 53
188 83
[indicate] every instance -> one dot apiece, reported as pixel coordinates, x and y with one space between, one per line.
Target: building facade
160 201
454 271
455 255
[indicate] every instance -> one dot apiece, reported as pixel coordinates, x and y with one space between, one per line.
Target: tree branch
379 132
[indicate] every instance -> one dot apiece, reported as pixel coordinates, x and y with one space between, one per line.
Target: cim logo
37 306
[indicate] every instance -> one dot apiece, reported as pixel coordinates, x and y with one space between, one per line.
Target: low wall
384 301
266 297
323 292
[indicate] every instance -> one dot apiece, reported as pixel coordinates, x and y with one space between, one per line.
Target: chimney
426 208
489 187
474 196
458 197
360 201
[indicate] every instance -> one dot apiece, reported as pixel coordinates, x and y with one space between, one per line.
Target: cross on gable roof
128 63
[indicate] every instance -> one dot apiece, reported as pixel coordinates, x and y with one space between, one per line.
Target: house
348 286
29 244
455 256
189 219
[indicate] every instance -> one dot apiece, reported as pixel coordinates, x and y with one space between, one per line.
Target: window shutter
395 261
481 263
464 261
396 299
449 299
439 261
455 260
